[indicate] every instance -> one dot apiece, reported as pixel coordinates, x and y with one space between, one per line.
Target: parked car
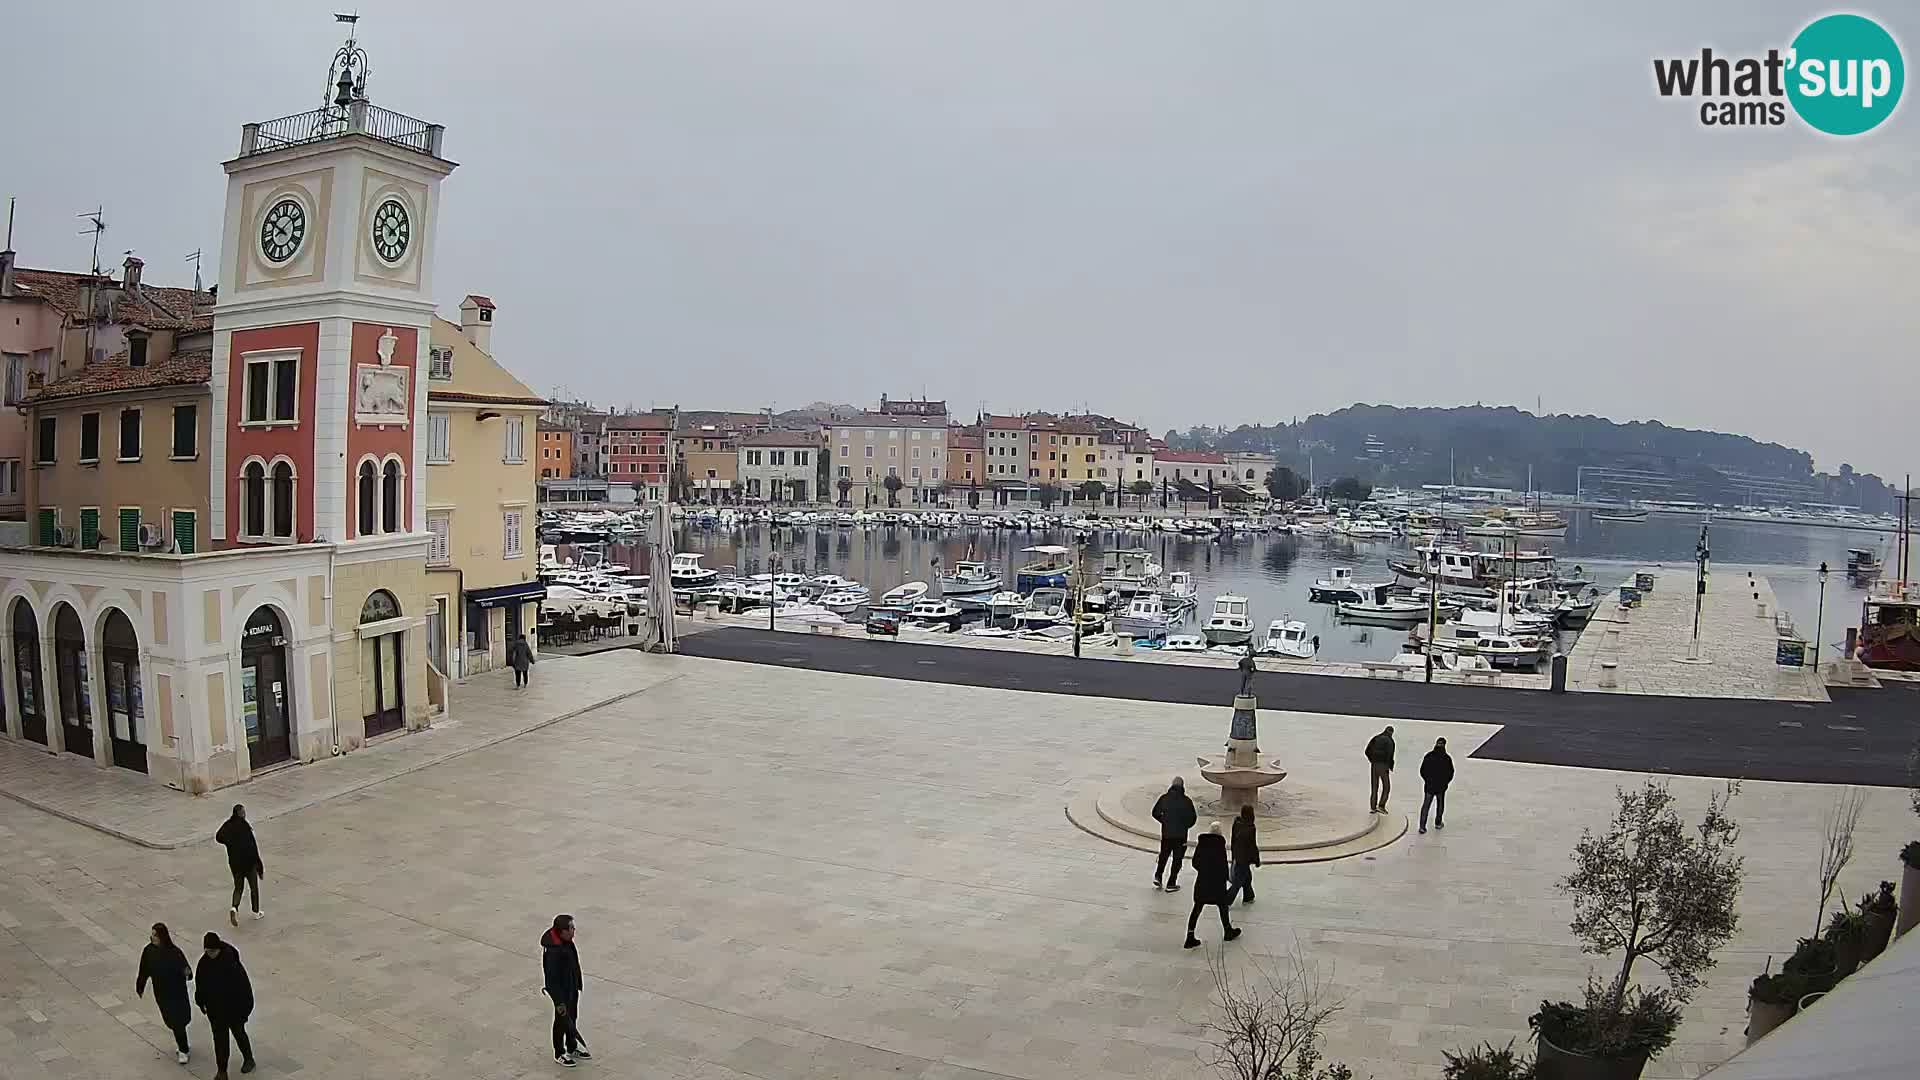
884 622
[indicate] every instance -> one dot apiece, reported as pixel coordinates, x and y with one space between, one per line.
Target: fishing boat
1890 630
1180 596
1145 617
969 578
901 598
1288 637
686 572
1046 607
1342 586
1863 564
1463 570
1003 606
1619 515
1381 608
1130 572
1229 624
1048 568
845 601
941 614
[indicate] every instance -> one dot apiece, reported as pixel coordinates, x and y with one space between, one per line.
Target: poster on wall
23 667
250 702
116 682
86 691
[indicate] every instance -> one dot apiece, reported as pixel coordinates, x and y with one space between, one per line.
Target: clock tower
320 346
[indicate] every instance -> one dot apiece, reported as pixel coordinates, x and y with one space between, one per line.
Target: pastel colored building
483 585
639 452
709 462
289 625
780 466
873 446
556 452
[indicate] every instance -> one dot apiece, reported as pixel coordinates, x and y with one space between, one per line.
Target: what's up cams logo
1842 75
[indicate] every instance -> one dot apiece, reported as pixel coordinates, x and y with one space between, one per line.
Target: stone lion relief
380 395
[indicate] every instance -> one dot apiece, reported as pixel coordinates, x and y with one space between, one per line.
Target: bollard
1559 673
1608 671
1125 644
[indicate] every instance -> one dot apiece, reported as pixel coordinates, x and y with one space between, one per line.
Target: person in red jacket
560 964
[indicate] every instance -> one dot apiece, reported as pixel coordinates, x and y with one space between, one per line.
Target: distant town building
640 452
709 457
966 458
1203 468
556 451
780 466
873 446
912 407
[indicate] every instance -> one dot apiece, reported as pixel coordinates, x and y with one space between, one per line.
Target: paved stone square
790 874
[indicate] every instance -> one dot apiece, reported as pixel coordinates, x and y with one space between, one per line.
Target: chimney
476 321
130 281
6 272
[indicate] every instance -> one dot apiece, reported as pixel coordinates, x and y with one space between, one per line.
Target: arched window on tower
369 480
390 498
283 500
253 500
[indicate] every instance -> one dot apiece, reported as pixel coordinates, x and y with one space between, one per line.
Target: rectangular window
183 525
779 457
89 437
129 528
869 472
286 386
272 391
802 457
516 441
892 471
440 363
869 449
129 434
916 474
843 450
10 478
439 435
439 527
16 376
510 535
89 528
136 350
845 471
753 457
893 451
186 431
936 472
48 437
916 451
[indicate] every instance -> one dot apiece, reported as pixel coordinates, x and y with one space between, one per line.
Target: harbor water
1275 571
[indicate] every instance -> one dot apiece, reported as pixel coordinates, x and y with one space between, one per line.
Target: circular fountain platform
1297 822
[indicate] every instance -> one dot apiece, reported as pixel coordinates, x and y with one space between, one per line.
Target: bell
344 95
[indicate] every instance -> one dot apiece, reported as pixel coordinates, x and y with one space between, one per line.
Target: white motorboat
845 601
1003 606
1522 623
687 573
1046 607
968 579
1229 624
1184 643
1499 649
1289 637
941 614
1411 656
1145 617
1367 529
1180 595
900 598
1342 586
1130 572
827 583
1383 609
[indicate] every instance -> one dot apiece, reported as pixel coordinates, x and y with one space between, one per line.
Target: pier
1644 650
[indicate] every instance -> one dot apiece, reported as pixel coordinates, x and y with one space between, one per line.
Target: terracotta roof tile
152 306
1190 457
113 376
640 422
803 439
481 301
483 399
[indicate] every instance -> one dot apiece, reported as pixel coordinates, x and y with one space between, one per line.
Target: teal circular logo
1846 74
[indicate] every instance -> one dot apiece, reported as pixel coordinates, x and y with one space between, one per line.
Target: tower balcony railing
359 118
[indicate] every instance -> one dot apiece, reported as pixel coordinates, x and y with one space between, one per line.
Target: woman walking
1246 855
1210 884
519 658
163 964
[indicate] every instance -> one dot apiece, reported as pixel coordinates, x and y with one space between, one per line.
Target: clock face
282 231
392 231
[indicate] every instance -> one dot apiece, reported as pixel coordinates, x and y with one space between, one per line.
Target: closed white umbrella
661 636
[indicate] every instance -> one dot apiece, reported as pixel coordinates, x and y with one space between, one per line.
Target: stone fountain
1296 823
1240 773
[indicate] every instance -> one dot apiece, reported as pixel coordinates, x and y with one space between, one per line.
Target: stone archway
26 672
126 706
382 664
70 671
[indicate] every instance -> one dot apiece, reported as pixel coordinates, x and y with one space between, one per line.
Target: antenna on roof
194 258
9 243
97 225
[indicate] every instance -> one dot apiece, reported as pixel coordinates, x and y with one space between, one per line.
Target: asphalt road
1862 737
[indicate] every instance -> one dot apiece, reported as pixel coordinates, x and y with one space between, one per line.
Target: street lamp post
773 568
1820 619
1701 553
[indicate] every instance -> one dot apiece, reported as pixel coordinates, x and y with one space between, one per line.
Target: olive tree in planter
1909 888
1878 910
1647 888
1771 1001
1487 1062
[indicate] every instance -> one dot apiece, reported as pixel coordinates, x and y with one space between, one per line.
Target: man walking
1175 813
1436 772
560 962
520 658
1380 760
1210 883
243 858
225 994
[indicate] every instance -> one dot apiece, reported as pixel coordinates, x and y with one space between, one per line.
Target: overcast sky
1183 213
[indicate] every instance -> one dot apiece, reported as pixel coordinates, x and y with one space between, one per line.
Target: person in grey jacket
1380 764
1175 813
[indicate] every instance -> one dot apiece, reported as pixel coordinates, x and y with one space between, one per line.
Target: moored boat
1289 637
1229 624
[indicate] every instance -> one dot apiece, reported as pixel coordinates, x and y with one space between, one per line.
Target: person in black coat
1210 883
1380 764
225 994
519 658
1436 772
163 964
1175 813
560 966
1246 854
243 858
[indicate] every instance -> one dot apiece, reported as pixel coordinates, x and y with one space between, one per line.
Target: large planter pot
1878 932
1764 1016
1554 1063
1846 954
1909 898
1819 982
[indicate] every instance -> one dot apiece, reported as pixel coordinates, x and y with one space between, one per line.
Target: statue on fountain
1246 672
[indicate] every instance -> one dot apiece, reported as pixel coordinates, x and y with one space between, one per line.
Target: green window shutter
183 531
89 529
47 520
130 530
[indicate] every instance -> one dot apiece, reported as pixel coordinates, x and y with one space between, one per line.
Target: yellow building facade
482 572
